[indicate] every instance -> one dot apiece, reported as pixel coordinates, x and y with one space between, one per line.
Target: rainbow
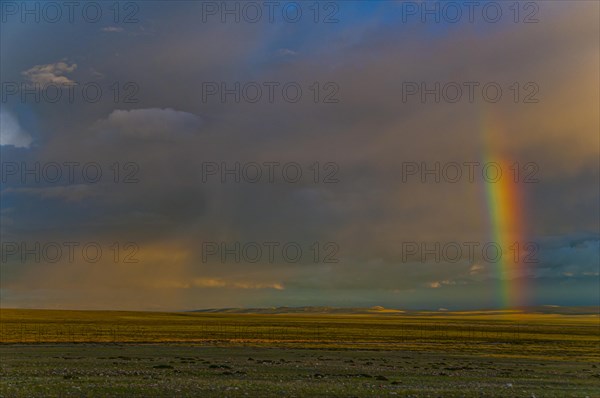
506 216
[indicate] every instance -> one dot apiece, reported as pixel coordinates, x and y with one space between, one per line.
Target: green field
135 354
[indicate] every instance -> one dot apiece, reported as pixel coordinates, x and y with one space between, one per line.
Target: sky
166 156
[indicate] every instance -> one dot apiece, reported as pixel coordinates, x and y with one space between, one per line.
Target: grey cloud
112 29
166 124
69 193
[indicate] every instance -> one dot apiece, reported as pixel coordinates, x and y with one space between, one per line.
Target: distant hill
555 309
378 310
303 310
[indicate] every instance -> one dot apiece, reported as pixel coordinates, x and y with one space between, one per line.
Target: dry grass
518 335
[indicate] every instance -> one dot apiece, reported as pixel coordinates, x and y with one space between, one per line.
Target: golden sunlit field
108 353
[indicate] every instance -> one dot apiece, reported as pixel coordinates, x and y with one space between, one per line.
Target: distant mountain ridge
378 310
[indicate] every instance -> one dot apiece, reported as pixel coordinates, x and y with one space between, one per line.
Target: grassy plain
135 354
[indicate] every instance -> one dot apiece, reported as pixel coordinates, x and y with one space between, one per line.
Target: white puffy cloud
50 74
